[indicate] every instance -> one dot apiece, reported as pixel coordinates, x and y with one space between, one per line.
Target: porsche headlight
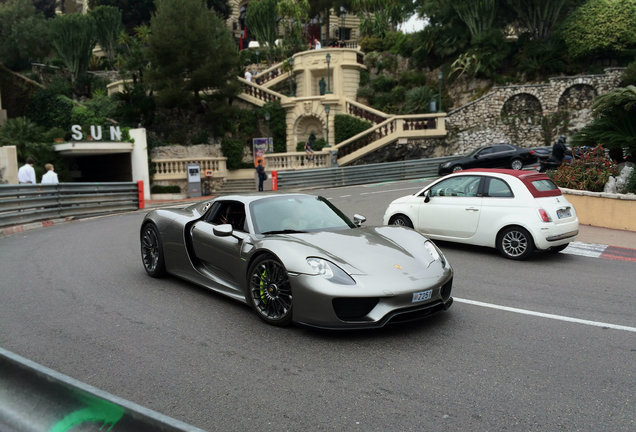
435 253
330 271
446 164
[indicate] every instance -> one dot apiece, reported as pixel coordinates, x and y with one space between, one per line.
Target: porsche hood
369 250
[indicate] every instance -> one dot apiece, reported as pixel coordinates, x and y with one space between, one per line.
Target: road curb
33 225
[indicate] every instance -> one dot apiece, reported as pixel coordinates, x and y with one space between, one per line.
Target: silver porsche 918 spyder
296 257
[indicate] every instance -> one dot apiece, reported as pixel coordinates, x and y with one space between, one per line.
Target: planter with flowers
583 181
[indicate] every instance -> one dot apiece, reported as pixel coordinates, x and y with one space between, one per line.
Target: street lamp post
267 117
327 109
291 77
257 58
328 76
439 94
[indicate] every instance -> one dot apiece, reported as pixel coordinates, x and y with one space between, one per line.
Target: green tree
293 14
221 7
614 123
23 34
262 20
192 54
74 36
134 12
478 15
538 16
601 28
108 26
30 142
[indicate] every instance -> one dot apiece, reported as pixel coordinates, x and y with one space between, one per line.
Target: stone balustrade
176 169
297 161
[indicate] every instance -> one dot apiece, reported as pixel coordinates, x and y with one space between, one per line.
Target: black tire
557 249
456 168
269 291
401 220
516 164
152 251
515 243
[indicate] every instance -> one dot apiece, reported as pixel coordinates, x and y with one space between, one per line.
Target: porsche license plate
564 213
422 295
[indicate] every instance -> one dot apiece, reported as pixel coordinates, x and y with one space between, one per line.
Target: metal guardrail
21 204
34 398
361 174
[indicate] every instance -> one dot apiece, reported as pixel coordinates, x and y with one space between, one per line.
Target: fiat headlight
330 271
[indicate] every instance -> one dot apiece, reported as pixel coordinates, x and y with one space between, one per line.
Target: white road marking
585 249
545 315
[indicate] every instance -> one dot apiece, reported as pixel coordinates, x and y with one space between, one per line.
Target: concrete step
236 186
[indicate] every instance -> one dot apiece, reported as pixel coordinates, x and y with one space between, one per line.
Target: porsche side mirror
427 196
223 230
358 219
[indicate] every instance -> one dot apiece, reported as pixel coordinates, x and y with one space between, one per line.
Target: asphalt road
75 298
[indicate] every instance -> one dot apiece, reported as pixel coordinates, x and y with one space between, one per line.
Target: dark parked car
494 156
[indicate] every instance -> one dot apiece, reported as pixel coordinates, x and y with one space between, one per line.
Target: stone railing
268 74
176 169
297 160
255 91
365 112
392 129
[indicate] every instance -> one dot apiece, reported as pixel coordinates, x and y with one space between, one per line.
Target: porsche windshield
289 214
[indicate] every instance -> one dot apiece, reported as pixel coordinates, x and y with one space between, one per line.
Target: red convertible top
527 177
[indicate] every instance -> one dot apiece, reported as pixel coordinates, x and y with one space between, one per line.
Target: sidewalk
606 236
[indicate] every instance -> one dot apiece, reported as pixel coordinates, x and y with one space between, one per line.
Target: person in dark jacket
260 170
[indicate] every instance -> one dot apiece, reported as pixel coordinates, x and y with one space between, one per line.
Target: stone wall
514 113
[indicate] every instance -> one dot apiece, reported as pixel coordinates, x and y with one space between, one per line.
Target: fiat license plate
422 295
564 213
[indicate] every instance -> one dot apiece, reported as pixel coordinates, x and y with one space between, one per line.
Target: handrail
177 168
268 74
365 112
395 127
256 91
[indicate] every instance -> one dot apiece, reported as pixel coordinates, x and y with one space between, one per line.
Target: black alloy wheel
269 291
516 164
402 220
457 168
152 251
515 243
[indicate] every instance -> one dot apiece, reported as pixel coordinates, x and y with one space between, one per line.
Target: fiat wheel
269 291
152 251
401 220
515 243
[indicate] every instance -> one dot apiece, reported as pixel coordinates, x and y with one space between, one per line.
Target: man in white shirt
50 177
248 75
26 173
317 43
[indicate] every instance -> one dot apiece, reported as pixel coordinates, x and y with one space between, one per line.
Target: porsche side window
461 186
498 188
229 212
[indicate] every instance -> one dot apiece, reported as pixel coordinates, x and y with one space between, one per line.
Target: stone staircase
237 185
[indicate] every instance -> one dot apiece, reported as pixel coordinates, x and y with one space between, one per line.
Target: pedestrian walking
50 177
26 173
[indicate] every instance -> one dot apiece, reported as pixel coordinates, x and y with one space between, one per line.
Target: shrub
157 189
382 83
589 172
347 126
418 100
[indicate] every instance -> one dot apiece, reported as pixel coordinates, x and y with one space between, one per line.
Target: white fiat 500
514 211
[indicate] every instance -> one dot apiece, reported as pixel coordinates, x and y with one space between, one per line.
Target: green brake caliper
262 286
